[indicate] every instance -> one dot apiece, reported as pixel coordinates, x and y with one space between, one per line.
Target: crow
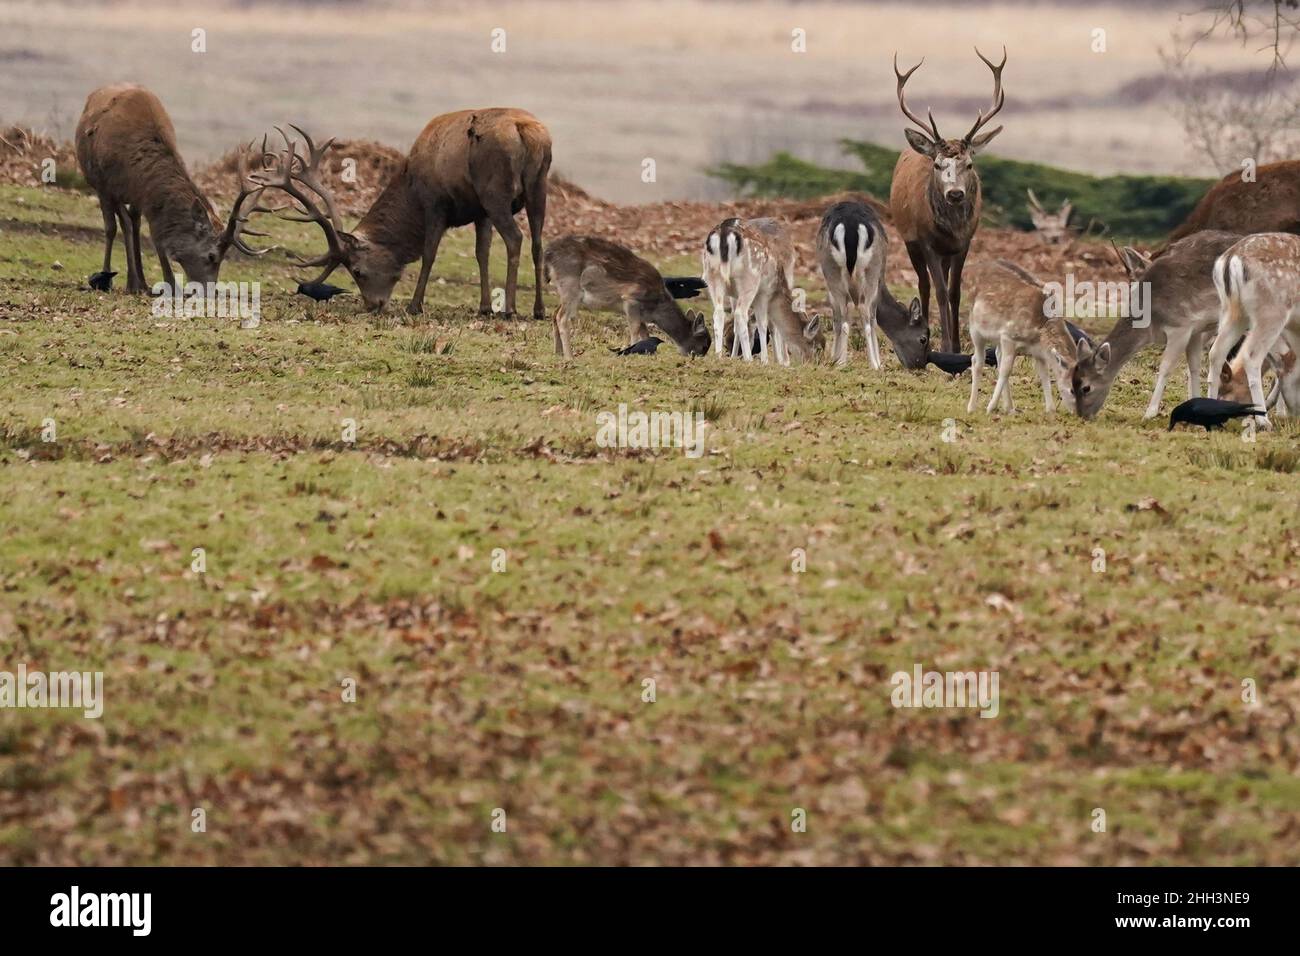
102 281
955 363
684 287
320 291
644 347
1210 412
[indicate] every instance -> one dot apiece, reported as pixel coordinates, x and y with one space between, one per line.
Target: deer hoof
414 309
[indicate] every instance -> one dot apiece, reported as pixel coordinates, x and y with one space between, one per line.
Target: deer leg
1175 345
514 239
953 278
483 252
1255 351
134 278
433 230
868 309
168 276
760 318
535 204
976 365
110 232
1044 379
916 252
1231 328
935 266
740 321
139 246
636 327
1001 391
1195 345
570 294
839 343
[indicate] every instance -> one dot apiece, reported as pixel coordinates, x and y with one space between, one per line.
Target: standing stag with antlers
479 166
935 201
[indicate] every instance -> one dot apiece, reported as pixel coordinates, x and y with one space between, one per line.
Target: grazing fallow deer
1010 312
759 271
602 275
935 200
1052 227
1258 281
474 166
851 249
720 247
126 147
1182 306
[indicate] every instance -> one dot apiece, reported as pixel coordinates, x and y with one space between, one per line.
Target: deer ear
1103 356
1085 350
920 142
1225 374
697 322
979 142
914 311
813 328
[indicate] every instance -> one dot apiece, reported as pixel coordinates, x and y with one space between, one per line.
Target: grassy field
523 690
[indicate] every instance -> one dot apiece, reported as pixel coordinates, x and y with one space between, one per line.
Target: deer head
373 267
953 177
201 246
1053 227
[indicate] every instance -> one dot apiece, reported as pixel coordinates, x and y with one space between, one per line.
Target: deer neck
954 223
396 220
1125 342
170 199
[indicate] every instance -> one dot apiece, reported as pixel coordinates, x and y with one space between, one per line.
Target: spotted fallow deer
1258 282
758 272
935 200
126 147
474 166
602 275
1182 307
1010 312
721 246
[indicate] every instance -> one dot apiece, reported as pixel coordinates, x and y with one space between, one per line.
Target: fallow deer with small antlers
474 166
935 200
126 147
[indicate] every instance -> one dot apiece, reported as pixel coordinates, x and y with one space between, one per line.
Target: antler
902 103
286 174
999 97
248 187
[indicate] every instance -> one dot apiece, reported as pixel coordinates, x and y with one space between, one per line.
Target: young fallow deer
935 200
1052 227
1182 306
851 249
1010 312
759 271
599 274
479 166
126 147
1258 281
721 246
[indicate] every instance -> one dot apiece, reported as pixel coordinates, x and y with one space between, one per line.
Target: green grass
1132 206
521 689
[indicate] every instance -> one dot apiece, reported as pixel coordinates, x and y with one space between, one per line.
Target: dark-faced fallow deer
935 200
474 166
602 275
1182 307
1258 282
852 247
126 147
1010 313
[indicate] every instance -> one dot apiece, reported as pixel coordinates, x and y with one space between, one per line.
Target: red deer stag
474 166
935 200
1270 202
127 151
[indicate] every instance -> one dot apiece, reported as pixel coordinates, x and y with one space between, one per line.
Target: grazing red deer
1010 312
759 270
479 166
1271 203
1182 307
1258 281
935 200
602 275
720 247
127 151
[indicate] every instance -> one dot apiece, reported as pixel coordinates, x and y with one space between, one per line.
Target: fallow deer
1010 312
720 247
758 271
1258 282
1268 202
1182 306
852 247
599 274
474 166
1052 227
126 147
935 200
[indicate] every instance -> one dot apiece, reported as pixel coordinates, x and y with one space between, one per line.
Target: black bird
102 281
954 363
684 287
1210 412
644 347
320 291
1078 334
